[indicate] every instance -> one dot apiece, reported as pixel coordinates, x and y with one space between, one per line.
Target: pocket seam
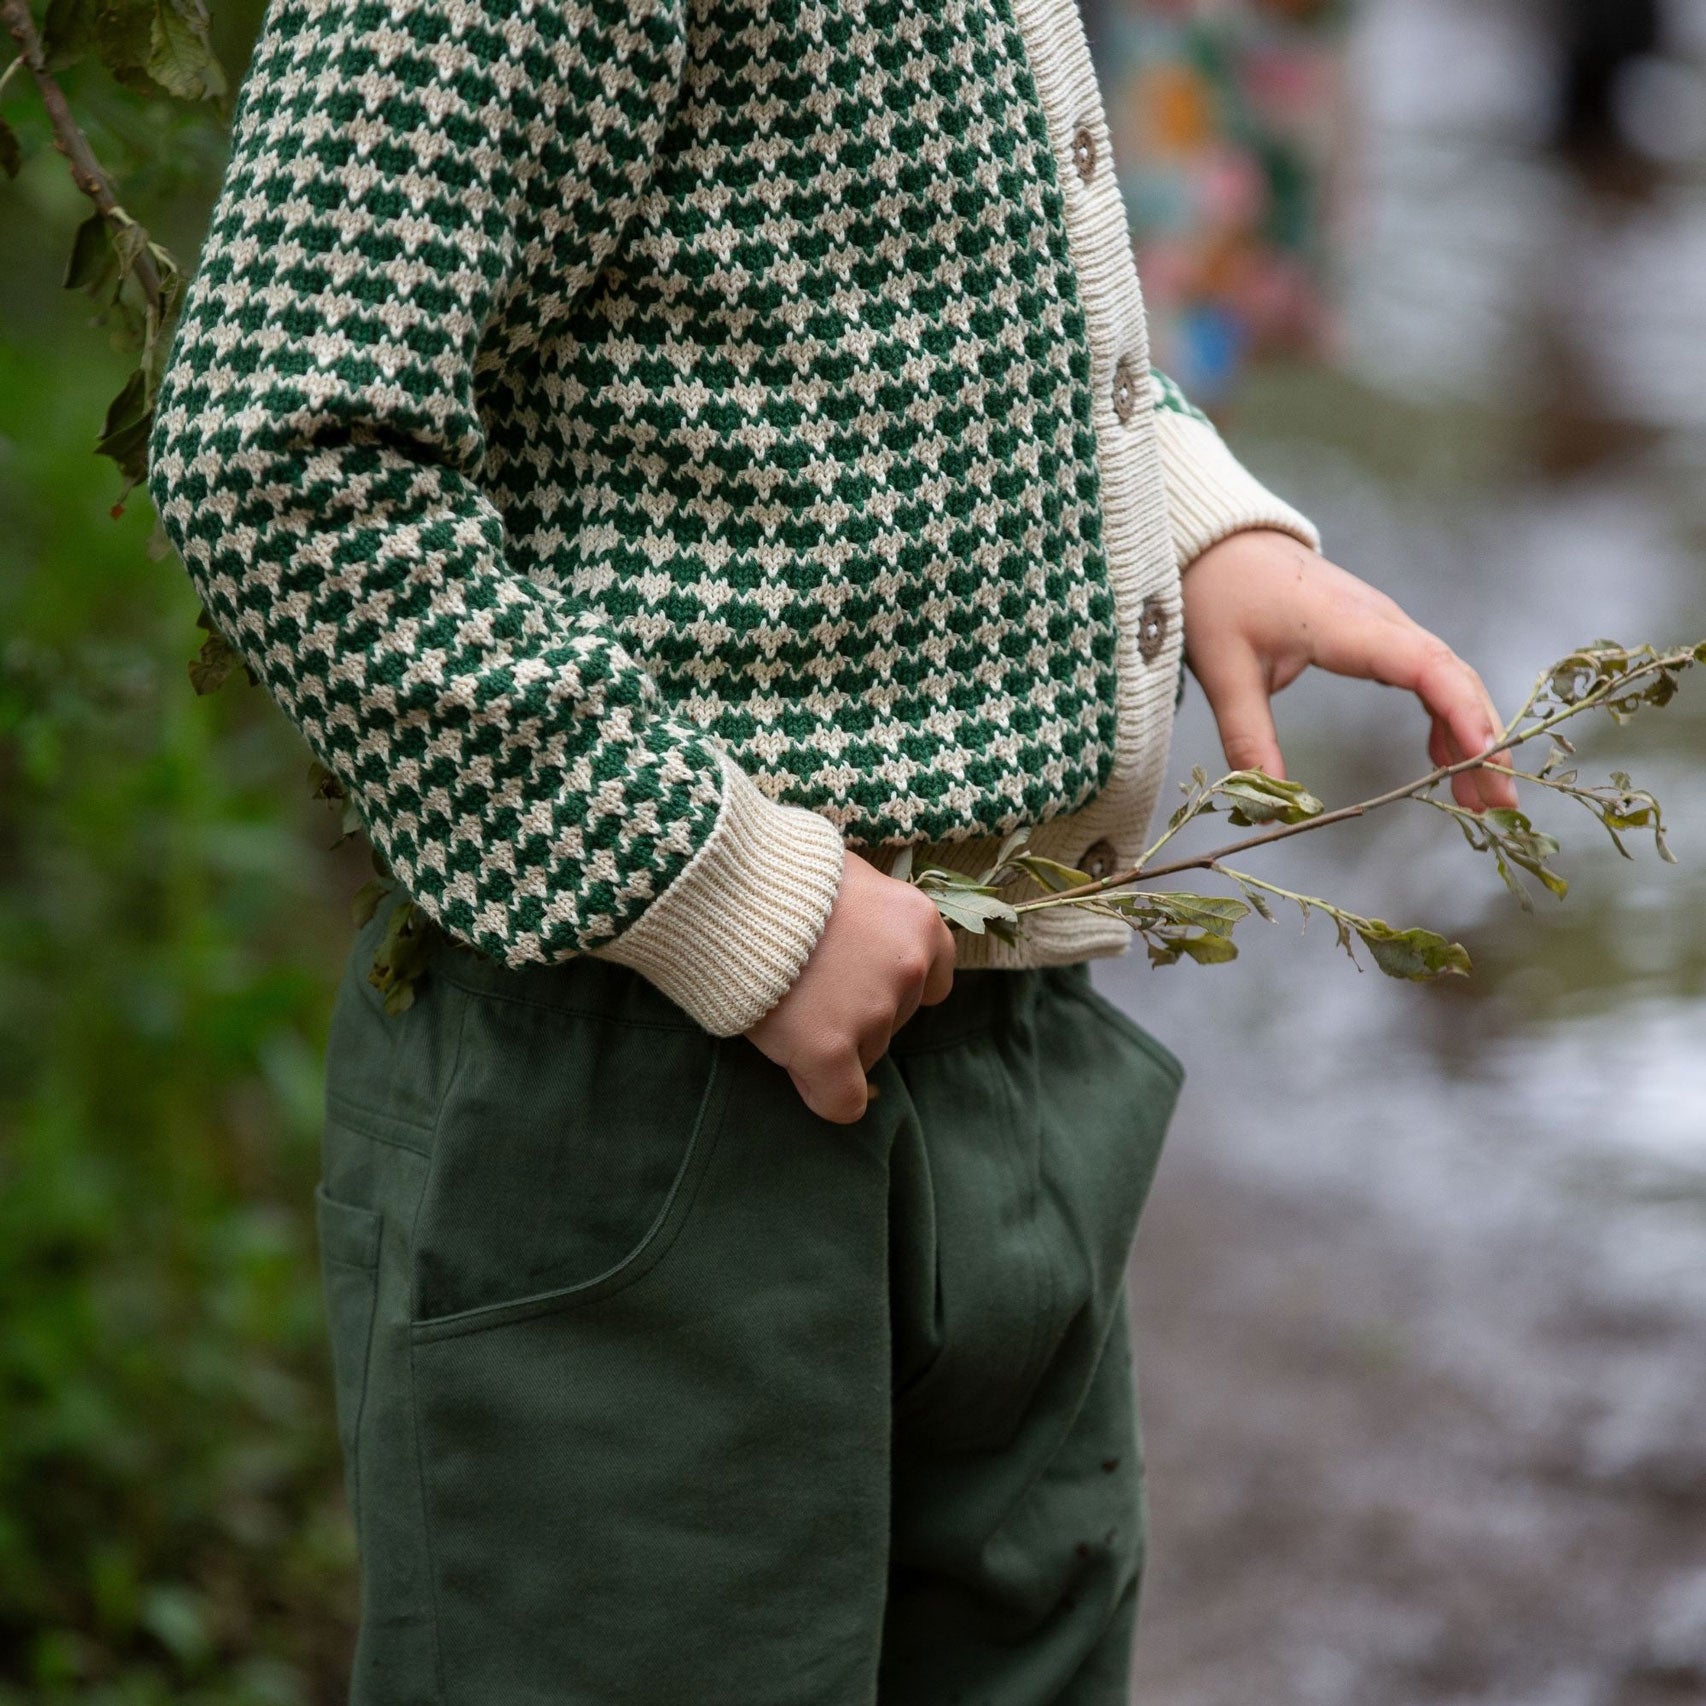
369 1222
380 1127
334 1211
653 1246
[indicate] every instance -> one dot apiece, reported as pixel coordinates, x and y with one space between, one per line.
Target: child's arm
411 195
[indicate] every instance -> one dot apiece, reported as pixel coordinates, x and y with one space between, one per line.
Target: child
653 451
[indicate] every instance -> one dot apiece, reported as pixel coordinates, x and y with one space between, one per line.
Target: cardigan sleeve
1210 493
413 186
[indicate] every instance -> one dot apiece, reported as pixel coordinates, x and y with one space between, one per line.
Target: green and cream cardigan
650 447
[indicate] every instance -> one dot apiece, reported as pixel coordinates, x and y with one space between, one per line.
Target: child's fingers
1404 654
1443 749
1244 716
1474 790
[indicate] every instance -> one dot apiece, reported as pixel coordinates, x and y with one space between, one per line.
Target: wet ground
1421 1292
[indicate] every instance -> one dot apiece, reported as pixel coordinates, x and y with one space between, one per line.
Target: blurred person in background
1224 117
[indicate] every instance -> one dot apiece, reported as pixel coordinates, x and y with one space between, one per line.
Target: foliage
1601 675
148 47
172 1525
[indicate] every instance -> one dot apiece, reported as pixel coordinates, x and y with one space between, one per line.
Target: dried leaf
323 784
1259 798
211 667
1415 954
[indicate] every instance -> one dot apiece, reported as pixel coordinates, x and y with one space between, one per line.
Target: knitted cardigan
651 447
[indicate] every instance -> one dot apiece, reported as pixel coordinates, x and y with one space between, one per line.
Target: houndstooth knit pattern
618 429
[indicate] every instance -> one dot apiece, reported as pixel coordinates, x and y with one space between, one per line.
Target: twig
86 171
1509 736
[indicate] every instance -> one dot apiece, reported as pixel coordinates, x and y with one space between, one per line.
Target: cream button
1098 860
1084 151
1125 388
1151 628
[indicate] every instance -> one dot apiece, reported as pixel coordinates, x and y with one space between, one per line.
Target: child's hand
885 952
1260 607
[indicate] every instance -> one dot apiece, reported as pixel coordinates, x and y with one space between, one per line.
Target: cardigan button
1084 151
1151 629
1125 388
1099 860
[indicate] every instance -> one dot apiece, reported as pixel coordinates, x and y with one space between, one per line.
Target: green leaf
1051 874
1205 950
971 910
124 39
1511 880
1258 900
11 150
181 58
1196 910
402 955
1260 798
939 876
1015 839
1414 954
92 260
901 869
68 32
1209 950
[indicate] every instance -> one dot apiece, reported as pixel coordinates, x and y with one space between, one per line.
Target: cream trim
1211 494
731 932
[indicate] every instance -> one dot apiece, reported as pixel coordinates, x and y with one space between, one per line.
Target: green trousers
656 1389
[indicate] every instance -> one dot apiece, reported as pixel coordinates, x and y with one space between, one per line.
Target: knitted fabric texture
649 448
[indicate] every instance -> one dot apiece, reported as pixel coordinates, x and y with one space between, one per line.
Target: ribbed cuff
1210 493
730 934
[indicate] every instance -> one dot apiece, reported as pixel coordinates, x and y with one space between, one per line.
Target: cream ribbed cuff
1211 494
729 935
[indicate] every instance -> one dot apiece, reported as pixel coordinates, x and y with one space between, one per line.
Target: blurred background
1421 1291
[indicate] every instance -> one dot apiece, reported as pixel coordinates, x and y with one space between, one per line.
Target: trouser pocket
349 1239
652 1422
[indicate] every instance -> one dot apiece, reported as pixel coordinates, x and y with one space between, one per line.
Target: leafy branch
1602 675
149 47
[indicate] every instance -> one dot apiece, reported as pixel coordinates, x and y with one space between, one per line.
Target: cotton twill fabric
656 1388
